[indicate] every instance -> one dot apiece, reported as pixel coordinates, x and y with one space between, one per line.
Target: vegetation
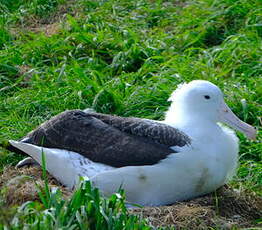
123 57
85 209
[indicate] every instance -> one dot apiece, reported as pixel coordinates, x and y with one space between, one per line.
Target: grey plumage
112 140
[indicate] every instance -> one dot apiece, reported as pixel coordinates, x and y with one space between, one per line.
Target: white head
203 100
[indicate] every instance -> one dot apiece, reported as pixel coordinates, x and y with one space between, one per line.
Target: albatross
188 154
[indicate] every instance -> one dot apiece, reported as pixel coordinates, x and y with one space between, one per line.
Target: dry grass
18 185
224 209
47 29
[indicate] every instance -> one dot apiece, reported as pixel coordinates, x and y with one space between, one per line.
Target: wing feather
159 132
112 140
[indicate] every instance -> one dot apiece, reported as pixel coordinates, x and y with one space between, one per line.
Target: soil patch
48 25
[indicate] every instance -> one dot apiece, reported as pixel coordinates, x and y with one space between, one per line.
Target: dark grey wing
159 132
107 139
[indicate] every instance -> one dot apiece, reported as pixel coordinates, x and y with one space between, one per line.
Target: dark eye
207 96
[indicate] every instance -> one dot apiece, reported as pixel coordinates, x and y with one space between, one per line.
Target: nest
225 208
19 185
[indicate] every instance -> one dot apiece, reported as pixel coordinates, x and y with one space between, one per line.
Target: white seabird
157 163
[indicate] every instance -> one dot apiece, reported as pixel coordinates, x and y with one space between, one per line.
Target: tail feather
30 150
7 145
57 161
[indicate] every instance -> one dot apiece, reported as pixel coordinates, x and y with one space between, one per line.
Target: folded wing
112 140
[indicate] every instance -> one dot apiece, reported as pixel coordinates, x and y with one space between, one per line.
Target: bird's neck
178 113
191 123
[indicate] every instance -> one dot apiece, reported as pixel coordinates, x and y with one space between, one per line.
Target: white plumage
203 166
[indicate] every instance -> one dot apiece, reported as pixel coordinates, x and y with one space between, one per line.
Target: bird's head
203 100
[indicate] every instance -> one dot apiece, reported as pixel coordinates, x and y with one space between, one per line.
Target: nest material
19 185
224 208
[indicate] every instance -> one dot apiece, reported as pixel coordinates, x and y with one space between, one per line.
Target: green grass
126 57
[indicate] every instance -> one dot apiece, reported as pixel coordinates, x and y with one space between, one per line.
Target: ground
226 208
